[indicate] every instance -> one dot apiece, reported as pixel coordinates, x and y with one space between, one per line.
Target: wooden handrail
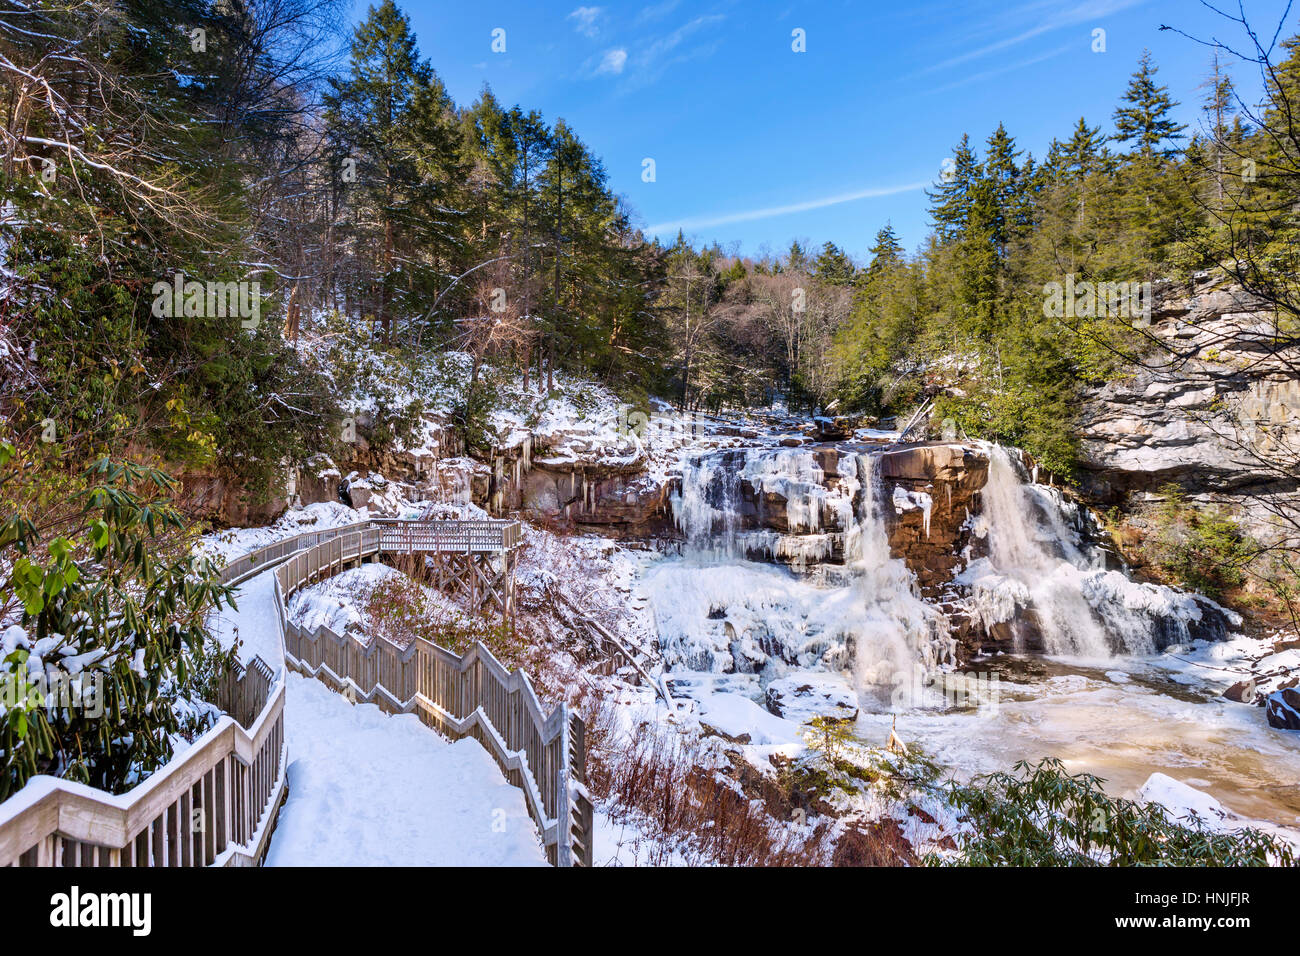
212 805
459 695
216 803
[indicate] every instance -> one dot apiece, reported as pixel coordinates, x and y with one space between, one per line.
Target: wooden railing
472 695
473 537
255 562
214 805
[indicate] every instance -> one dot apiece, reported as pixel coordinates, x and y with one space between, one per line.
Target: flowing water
1115 685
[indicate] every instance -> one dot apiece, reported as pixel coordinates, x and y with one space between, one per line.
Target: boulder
1243 692
1283 709
808 696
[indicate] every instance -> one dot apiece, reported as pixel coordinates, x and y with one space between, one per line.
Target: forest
151 141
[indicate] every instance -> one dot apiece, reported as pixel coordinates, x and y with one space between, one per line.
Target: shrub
1043 816
401 610
1201 549
108 600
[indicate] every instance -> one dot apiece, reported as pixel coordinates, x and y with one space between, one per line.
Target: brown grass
663 785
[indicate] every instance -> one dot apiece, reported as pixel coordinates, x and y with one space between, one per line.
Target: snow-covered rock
806 696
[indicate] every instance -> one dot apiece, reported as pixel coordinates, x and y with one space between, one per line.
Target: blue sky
755 145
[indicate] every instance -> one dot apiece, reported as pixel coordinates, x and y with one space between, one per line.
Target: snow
234 542
253 623
737 716
905 500
337 603
367 789
1186 804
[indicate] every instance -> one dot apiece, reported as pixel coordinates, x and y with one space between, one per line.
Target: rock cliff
1214 410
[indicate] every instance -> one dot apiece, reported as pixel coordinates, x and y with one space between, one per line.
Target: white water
1019 549
721 613
908 632
729 628
1039 577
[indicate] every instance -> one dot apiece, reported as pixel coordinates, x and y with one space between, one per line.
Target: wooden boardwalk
218 803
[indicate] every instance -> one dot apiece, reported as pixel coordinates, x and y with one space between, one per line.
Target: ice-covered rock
1283 709
806 696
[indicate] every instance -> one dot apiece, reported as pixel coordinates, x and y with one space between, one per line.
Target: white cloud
705 222
998 71
1086 12
584 20
657 11
613 61
650 59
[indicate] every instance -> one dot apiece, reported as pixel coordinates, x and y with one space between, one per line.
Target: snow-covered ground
367 789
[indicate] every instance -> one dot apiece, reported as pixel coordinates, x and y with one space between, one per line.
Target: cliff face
931 544
1215 411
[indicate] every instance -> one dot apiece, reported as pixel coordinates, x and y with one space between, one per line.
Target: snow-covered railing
213 805
255 562
216 803
472 537
471 695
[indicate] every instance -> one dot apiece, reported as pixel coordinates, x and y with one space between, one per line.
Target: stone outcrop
1212 405
614 501
1283 709
226 500
931 541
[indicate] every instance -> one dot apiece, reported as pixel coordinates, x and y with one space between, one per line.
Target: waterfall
707 508
1040 577
901 635
873 623
1040 563
710 506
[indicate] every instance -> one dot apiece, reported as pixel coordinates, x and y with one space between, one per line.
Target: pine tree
391 127
833 267
1146 121
886 251
950 203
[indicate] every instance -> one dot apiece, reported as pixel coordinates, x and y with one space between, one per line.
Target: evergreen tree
1144 121
832 266
950 202
886 251
394 139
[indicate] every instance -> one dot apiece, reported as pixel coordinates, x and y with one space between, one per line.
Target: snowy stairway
368 789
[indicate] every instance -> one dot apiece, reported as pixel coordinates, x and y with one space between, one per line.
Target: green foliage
471 414
964 321
1201 548
1041 815
156 186
112 605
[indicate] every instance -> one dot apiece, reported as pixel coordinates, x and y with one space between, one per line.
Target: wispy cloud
976 77
657 11
726 219
1074 15
584 20
650 61
613 61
